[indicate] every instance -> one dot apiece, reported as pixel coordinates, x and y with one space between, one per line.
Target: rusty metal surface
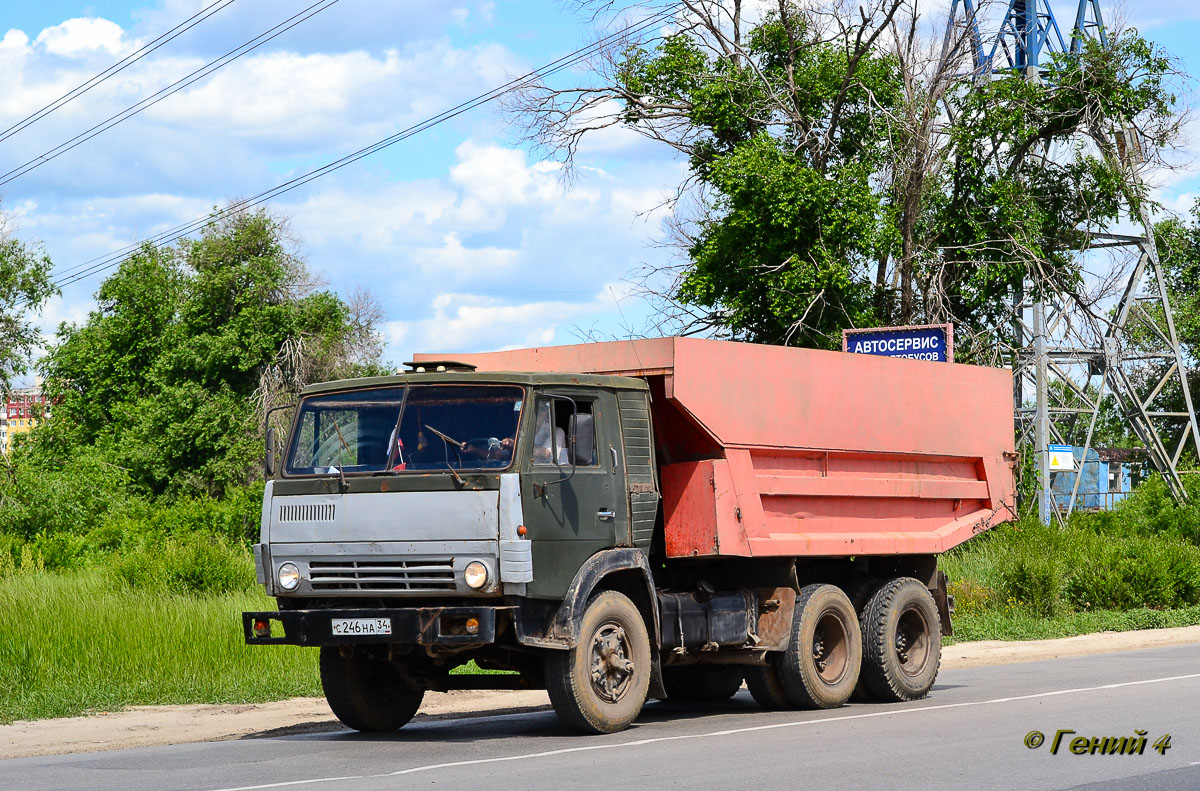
775 611
773 451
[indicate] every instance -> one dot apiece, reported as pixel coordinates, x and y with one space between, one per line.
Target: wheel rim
831 648
612 667
913 644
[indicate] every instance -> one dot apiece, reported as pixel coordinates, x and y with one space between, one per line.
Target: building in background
1108 476
25 407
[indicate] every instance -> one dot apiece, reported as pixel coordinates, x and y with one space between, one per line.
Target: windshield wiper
447 438
461 483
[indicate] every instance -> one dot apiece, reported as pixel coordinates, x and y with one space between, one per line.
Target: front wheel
366 694
600 685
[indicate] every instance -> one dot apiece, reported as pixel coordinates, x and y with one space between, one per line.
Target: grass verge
1022 625
82 641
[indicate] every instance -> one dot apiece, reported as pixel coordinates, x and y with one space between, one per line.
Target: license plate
357 626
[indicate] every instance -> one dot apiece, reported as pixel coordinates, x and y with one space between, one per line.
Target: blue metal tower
1028 31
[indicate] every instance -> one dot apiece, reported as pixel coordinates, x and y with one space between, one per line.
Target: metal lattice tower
1070 355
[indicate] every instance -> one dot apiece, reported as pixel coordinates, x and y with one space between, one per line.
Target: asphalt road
969 734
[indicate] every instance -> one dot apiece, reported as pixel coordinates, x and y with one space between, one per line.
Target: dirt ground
142 726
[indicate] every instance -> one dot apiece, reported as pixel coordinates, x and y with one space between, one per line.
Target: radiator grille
307 512
391 575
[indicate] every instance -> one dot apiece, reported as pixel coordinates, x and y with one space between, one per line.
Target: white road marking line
711 734
302 782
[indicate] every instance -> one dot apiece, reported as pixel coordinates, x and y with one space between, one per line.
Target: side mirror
269 460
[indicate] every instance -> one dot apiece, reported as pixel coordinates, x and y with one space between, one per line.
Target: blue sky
468 240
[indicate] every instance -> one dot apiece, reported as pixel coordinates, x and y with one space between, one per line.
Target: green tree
171 373
847 173
25 286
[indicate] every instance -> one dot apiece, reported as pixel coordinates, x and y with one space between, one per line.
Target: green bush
194 563
81 513
1128 573
1049 570
1150 510
43 497
18 557
235 518
1036 582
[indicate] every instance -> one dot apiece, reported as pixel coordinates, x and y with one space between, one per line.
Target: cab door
573 496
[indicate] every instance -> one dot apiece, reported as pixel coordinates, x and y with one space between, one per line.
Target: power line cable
164 238
175 87
548 69
171 235
116 68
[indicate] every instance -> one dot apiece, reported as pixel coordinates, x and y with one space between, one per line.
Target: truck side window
554 422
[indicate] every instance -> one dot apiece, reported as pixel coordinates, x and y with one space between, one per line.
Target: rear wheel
860 592
820 667
702 683
902 641
600 685
366 694
766 687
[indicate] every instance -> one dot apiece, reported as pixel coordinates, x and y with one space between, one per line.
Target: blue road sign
930 342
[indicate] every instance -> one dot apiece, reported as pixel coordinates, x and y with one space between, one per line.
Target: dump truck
665 518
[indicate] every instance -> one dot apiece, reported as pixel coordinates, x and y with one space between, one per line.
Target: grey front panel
392 568
385 516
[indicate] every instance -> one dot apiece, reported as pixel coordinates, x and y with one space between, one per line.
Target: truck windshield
397 429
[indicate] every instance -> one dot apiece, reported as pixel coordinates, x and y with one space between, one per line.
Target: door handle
606 513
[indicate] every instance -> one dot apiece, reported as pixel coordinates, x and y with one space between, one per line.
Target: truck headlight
288 576
475 575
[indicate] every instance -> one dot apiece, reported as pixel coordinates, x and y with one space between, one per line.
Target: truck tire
820 667
766 687
366 694
600 685
860 592
702 683
902 641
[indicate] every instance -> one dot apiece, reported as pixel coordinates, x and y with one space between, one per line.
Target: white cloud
81 37
480 323
14 39
452 256
1182 203
496 175
541 266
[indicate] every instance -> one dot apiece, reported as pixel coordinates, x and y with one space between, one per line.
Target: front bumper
410 626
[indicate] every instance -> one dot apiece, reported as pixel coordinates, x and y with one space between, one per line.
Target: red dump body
774 451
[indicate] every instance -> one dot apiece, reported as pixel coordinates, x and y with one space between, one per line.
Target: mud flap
945 604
